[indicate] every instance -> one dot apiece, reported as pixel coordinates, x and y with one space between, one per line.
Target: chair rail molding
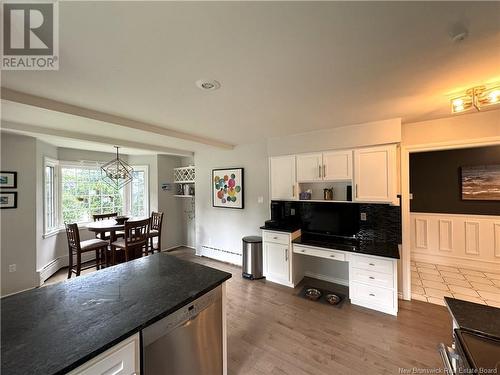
467 241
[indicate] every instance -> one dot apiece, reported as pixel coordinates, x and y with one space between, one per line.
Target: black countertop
54 329
475 317
382 249
282 228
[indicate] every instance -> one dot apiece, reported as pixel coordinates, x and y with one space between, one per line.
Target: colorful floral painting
227 188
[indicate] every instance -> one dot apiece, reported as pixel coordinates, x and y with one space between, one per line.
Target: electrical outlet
260 200
12 267
292 211
363 216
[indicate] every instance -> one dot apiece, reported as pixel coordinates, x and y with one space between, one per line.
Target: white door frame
405 194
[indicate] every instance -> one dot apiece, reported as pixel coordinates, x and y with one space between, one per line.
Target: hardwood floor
273 331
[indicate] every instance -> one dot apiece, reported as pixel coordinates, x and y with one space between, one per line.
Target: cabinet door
282 177
277 263
337 165
309 167
375 174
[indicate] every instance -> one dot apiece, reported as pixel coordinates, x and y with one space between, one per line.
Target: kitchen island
61 327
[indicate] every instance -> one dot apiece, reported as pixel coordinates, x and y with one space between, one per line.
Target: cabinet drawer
121 359
322 253
372 278
275 237
371 294
372 264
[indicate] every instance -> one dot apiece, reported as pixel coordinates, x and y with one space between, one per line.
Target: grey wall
172 228
223 228
18 226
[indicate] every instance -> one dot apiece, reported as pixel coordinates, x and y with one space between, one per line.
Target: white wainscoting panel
472 237
467 241
445 232
497 239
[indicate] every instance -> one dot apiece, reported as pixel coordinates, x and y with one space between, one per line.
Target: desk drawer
282 238
372 264
372 295
322 253
372 278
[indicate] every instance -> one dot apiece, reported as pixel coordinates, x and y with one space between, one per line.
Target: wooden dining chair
77 248
155 231
136 239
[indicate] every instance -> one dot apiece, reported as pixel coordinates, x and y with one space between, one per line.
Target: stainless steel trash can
252 257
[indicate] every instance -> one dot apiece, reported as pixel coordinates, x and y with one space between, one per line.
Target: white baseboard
59 263
330 279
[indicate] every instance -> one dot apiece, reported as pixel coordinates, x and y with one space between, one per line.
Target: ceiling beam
54 105
67 134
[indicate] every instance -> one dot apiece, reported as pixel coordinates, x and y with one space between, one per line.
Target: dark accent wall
435 181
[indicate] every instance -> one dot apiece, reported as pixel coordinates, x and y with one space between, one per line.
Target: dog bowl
313 294
332 299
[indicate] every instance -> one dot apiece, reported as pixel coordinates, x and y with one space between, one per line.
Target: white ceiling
285 67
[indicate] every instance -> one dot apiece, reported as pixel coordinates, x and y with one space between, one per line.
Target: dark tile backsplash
383 223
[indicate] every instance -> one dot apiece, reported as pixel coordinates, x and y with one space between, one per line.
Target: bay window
73 192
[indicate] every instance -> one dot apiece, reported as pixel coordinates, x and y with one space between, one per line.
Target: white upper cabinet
375 174
337 165
282 177
309 167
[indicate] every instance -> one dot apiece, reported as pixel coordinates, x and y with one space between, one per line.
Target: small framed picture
8 199
8 180
227 188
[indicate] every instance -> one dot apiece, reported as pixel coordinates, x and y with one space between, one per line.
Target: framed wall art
8 180
8 199
481 182
227 188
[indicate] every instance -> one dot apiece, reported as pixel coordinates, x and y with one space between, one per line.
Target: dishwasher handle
445 353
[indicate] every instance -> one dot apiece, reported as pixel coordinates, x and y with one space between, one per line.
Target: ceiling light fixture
476 98
117 172
208 84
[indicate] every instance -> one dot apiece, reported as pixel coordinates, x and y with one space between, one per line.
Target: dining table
109 226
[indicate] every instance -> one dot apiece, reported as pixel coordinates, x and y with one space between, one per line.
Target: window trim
54 163
128 190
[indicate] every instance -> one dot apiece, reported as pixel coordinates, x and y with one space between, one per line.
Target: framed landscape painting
481 182
8 180
227 188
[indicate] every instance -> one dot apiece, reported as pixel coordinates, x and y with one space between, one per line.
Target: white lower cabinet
121 359
373 283
277 257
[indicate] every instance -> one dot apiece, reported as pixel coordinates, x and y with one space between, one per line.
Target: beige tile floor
433 282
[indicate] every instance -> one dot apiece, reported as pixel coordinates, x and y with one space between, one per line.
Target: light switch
260 200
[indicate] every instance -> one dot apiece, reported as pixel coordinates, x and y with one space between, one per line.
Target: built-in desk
372 266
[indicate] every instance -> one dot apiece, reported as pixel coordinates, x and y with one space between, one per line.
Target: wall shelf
183 196
184 175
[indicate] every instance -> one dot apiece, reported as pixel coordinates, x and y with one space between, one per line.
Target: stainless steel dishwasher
188 341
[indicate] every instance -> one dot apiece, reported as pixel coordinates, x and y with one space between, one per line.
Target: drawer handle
372 264
372 295
275 238
332 256
303 251
371 277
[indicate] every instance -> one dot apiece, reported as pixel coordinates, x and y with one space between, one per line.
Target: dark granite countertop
475 317
284 228
54 329
382 249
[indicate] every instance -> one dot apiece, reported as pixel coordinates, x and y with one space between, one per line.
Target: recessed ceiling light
208 84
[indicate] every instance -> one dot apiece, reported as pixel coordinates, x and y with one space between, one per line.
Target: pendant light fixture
117 172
